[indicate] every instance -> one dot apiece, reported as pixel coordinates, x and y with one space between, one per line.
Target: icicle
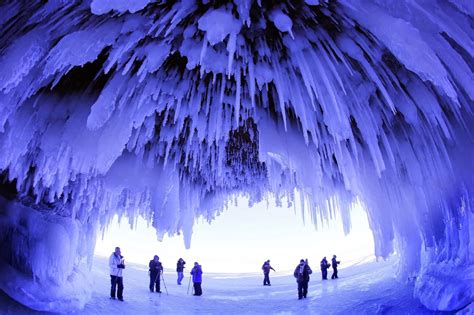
171 110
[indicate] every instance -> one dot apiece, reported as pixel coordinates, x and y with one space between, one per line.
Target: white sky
242 238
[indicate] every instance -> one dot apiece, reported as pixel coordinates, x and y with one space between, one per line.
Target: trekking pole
189 284
164 284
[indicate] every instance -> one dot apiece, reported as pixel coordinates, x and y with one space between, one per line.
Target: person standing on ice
334 267
266 272
116 264
156 268
179 269
196 272
324 268
302 272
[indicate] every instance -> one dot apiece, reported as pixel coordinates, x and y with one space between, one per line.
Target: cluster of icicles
169 109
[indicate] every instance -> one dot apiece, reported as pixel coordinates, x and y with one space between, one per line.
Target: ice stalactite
169 109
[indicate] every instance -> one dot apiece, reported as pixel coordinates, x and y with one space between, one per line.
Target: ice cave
168 110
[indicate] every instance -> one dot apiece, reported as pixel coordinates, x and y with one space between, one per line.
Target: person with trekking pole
196 272
156 268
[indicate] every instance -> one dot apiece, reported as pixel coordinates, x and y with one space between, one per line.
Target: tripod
163 278
189 284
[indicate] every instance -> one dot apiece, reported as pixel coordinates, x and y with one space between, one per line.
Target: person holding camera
196 273
302 272
179 269
116 264
334 267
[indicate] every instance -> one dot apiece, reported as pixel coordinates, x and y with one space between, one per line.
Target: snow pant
324 273
116 281
302 289
155 281
197 288
180 277
266 279
334 274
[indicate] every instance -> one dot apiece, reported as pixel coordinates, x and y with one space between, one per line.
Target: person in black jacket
266 272
301 274
156 268
324 268
334 267
179 269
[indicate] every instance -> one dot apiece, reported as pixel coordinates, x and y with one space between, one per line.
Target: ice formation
170 109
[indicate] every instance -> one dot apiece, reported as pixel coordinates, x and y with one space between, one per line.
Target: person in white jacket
116 264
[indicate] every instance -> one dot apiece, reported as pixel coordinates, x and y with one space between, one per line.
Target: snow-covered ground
368 288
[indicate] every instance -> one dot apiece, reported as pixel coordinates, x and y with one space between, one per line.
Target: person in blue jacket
324 268
196 272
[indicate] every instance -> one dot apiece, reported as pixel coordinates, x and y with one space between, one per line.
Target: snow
218 24
365 288
78 48
170 110
104 6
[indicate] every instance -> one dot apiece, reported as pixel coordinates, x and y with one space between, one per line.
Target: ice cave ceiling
167 108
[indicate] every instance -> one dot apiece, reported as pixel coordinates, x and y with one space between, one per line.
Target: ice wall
169 109
45 257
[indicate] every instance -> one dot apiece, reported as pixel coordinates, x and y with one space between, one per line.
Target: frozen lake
369 288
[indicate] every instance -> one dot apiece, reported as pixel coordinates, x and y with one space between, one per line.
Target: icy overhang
167 109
